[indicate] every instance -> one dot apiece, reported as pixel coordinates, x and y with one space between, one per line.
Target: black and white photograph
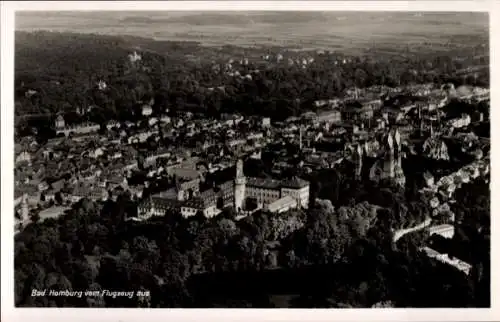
250 159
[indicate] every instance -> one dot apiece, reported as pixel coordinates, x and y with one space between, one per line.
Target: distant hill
311 30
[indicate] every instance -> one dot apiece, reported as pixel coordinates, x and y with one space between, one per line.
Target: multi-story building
83 128
225 194
298 189
445 258
263 191
281 205
24 156
190 199
461 121
446 231
157 206
206 206
267 191
266 122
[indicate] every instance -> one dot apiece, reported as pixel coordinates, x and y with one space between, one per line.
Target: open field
344 31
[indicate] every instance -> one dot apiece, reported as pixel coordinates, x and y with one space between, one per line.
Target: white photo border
10 313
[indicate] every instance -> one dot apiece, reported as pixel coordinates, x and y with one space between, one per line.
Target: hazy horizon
313 29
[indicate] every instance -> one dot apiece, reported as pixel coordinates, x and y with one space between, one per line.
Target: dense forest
200 262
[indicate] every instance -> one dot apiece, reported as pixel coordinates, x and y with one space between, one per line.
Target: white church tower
239 186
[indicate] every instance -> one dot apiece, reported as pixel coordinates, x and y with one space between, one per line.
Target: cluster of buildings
440 192
376 138
244 194
195 166
100 165
241 68
82 128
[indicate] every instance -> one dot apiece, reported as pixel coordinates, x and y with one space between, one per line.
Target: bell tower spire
389 156
239 186
358 161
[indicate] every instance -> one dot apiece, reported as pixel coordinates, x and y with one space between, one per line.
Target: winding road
401 232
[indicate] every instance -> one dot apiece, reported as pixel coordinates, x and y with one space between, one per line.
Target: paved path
401 232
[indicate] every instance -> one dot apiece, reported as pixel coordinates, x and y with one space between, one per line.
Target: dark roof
198 203
185 185
392 109
58 185
294 183
355 109
222 176
186 173
162 203
264 183
81 191
26 188
207 194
